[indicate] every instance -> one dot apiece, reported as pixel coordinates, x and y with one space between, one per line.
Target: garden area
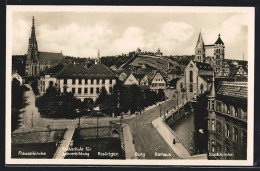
123 99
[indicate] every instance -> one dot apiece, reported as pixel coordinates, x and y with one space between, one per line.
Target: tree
161 95
136 99
35 88
48 103
87 106
17 103
105 102
150 98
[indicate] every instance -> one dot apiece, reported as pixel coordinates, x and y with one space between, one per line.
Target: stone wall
88 133
37 137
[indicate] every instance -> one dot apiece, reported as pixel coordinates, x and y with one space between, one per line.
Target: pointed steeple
32 53
219 41
213 91
200 42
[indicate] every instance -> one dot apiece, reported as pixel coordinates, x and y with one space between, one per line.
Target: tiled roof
55 69
233 89
219 41
207 78
203 66
100 71
72 70
50 57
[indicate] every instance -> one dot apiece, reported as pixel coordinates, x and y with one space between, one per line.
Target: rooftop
203 66
233 89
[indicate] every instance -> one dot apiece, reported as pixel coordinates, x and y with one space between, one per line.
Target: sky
81 34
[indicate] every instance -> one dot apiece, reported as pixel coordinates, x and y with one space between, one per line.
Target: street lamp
78 111
32 119
160 108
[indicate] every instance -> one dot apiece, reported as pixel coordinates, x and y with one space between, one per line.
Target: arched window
191 88
201 87
191 76
35 70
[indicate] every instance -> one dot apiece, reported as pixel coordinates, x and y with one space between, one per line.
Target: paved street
146 138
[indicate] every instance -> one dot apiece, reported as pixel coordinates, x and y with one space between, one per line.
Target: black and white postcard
130 85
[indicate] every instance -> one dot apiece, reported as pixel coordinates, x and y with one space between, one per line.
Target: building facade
227 121
157 82
197 80
86 83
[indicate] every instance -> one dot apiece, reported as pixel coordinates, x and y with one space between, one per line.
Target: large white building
83 82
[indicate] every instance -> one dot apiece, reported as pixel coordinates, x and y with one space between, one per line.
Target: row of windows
229 109
86 90
98 81
156 85
230 132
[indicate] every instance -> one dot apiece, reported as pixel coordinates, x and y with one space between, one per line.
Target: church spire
199 49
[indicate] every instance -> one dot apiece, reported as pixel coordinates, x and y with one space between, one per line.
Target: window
97 81
80 82
191 88
97 90
212 105
86 81
79 90
235 137
212 125
110 81
236 113
85 90
73 81
181 86
201 87
65 81
103 81
73 90
218 127
227 131
91 90
92 81
191 76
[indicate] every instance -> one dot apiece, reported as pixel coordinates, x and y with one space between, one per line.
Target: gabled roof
139 77
233 89
55 69
50 57
219 41
203 66
100 71
72 71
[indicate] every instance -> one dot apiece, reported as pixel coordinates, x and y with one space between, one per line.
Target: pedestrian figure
174 141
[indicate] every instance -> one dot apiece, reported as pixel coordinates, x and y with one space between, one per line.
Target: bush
35 88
